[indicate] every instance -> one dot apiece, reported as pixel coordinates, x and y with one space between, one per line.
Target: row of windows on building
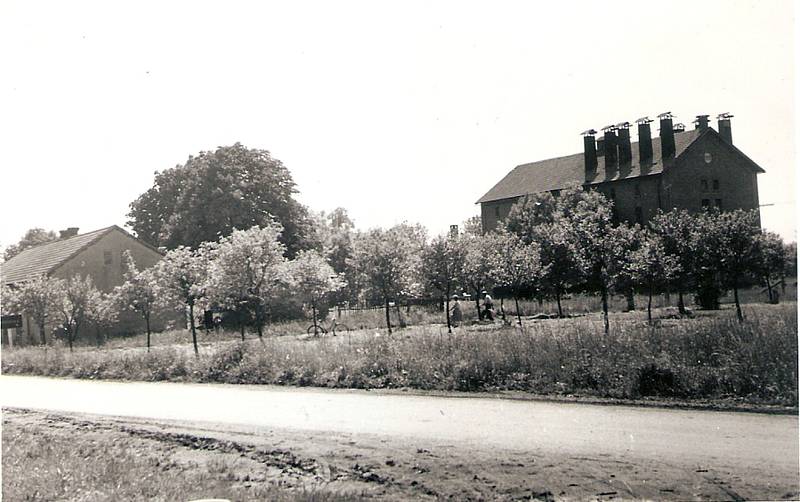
704 185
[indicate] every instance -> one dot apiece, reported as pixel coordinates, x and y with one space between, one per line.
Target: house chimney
589 151
667 135
69 232
724 125
624 142
701 122
679 127
610 141
645 140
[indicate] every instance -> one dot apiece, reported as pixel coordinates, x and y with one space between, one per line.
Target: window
715 185
108 258
705 202
718 204
497 211
704 185
639 217
638 191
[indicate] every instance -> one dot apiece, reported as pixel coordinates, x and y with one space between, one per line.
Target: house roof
563 172
44 258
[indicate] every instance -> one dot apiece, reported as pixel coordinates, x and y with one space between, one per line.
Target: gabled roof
563 172
45 258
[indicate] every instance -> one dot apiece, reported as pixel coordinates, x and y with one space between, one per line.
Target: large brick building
95 254
680 169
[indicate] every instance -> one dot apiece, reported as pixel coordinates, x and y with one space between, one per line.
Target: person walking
488 308
455 312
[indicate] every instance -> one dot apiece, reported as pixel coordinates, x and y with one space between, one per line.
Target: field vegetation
711 356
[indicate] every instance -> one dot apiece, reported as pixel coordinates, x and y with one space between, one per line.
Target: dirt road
679 453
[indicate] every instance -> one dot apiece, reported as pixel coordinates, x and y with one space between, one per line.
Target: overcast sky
394 111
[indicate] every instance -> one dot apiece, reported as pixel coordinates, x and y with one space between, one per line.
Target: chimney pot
724 126
701 122
610 142
624 142
589 153
645 141
667 134
67 233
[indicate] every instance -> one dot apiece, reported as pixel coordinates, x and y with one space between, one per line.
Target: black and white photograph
395 251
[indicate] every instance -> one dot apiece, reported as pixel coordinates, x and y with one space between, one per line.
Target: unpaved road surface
466 447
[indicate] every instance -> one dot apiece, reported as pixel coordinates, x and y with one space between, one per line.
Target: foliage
182 277
33 237
217 192
246 271
38 298
140 293
477 270
517 265
77 298
442 263
311 278
650 265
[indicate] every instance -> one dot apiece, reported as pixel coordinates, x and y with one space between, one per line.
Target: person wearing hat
488 307
455 312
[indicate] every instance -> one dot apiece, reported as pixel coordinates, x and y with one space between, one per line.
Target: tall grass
708 357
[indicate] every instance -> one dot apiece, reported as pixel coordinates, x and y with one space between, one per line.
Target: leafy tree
388 260
312 279
38 299
103 314
182 275
139 293
677 230
33 237
771 261
732 245
472 226
529 213
650 265
246 270
77 297
595 243
216 192
516 265
442 263
477 267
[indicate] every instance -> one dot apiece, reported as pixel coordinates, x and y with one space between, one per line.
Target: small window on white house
108 258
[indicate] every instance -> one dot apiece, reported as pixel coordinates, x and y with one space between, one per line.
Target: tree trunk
502 310
558 302
147 326
97 335
241 323
314 317
447 310
604 295
769 290
630 299
194 332
42 334
519 315
650 302
736 299
681 306
478 304
388 321
69 338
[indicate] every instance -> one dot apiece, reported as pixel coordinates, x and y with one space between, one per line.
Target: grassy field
50 457
708 357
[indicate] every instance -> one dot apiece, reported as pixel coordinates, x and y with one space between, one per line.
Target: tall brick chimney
724 126
624 142
645 140
589 151
667 135
701 122
610 141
